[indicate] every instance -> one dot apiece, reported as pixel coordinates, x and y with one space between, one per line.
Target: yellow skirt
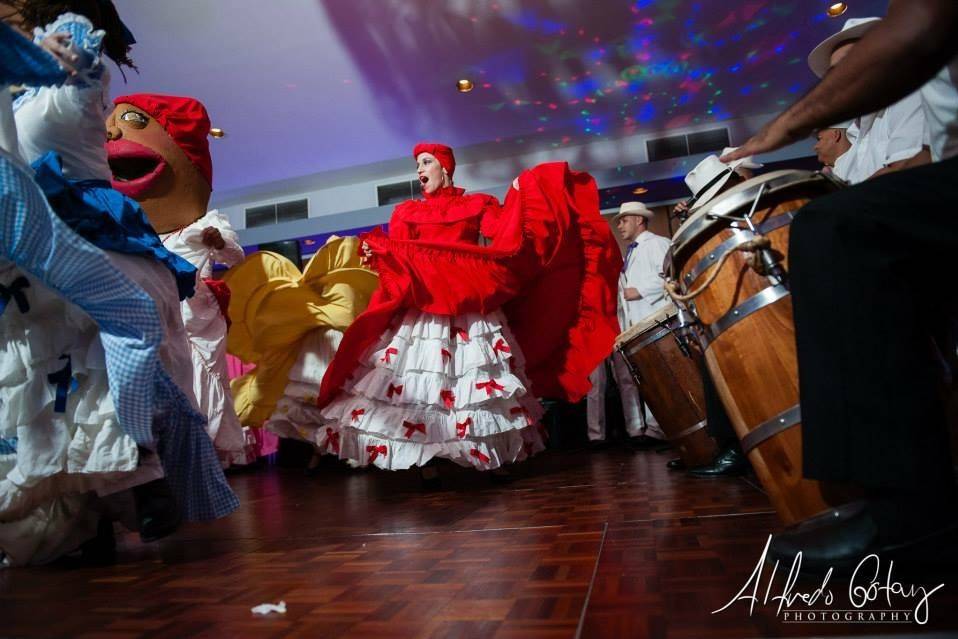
274 308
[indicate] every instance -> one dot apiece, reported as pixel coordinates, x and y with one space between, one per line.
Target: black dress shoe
156 510
675 464
730 462
842 537
835 539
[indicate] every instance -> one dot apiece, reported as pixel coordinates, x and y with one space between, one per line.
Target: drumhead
662 315
740 196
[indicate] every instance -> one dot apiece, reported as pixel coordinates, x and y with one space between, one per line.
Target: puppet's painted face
148 166
431 174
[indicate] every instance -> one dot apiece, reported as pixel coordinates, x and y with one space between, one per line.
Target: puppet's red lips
135 168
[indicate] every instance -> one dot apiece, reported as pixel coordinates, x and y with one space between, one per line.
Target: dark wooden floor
591 544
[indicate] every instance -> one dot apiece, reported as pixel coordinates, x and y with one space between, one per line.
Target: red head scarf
442 153
184 119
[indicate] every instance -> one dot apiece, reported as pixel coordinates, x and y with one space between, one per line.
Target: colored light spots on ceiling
672 62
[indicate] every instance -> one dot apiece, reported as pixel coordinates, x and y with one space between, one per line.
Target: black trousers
874 274
717 424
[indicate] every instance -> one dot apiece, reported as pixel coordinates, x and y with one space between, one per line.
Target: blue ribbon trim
63 378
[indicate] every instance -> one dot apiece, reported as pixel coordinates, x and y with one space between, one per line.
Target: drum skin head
664 314
738 197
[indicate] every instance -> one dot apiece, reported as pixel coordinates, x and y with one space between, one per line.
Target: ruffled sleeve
87 44
188 243
578 264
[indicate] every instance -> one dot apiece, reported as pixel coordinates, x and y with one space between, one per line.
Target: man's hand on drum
680 209
632 294
780 132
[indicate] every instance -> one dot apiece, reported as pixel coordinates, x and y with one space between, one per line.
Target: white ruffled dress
437 386
55 450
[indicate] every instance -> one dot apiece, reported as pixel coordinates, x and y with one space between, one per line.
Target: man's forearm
896 57
920 158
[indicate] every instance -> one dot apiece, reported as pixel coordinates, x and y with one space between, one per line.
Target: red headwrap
184 119
442 153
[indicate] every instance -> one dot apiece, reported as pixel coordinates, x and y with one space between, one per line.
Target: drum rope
752 246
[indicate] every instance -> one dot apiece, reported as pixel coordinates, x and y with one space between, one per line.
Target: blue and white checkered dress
37 241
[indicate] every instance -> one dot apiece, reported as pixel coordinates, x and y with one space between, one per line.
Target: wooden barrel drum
666 368
746 327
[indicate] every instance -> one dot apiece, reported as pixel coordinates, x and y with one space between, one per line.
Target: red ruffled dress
460 339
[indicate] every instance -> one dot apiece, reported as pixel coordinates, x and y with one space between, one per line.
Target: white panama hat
633 208
708 177
819 60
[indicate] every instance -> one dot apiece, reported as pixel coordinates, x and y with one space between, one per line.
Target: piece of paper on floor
266 608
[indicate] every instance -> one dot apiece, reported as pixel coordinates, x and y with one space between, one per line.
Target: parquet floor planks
588 544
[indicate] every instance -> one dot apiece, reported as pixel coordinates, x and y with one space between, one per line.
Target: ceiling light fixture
640 190
465 86
836 9
217 133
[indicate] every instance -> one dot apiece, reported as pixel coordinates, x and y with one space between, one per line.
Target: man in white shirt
832 148
872 409
884 141
641 287
641 293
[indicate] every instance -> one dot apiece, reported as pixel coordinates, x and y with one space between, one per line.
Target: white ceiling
311 86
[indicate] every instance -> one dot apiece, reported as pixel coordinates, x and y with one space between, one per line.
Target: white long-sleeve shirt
940 102
643 268
879 139
188 244
69 119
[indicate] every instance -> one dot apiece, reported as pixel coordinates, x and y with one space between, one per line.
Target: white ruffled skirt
53 452
296 415
438 386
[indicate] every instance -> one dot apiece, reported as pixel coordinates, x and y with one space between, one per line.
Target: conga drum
742 302
665 365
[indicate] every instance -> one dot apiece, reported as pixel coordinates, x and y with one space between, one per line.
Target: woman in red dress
460 340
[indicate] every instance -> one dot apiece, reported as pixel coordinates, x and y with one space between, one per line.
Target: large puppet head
160 156
435 164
